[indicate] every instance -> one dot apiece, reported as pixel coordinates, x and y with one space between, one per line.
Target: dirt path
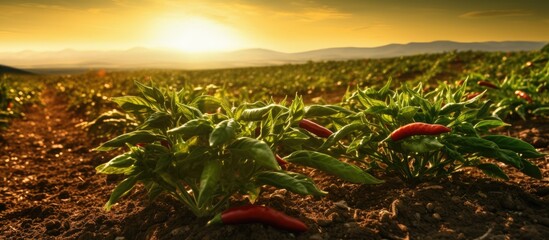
49 190
48 183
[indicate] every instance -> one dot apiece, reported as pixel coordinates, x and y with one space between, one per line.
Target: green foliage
203 136
15 94
417 158
200 159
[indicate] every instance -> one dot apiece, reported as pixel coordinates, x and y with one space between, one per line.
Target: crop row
320 82
14 97
202 149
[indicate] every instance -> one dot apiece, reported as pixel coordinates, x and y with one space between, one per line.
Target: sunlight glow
195 35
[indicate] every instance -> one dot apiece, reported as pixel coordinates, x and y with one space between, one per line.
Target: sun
196 35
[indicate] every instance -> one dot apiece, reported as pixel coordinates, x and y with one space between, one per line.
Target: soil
49 190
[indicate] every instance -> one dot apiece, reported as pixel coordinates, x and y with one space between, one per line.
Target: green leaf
252 191
160 120
531 169
153 190
486 125
294 137
133 104
381 109
297 108
189 112
443 120
453 154
163 162
313 111
293 182
222 102
521 111
386 88
421 145
152 93
197 153
209 180
506 156
523 148
167 181
139 136
121 189
256 150
541 111
472 144
121 164
332 166
492 170
256 114
466 128
484 111
343 132
195 127
451 108
476 98
223 132
407 113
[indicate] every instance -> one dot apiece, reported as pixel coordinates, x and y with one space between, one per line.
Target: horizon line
257 48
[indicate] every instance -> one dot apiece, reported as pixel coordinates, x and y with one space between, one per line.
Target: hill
170 59
10 70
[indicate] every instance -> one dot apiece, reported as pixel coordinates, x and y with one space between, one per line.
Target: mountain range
170 59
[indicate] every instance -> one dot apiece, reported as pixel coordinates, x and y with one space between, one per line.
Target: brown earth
49 190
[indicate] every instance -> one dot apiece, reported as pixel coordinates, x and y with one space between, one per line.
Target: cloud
303 13
495 13
371 27
44 6
296 10
315 14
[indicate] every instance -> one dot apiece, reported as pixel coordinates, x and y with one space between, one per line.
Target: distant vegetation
10 70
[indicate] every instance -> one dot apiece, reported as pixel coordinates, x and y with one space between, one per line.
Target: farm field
190 144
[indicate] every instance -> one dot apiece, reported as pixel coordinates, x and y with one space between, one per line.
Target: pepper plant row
14 96
203 149
524 71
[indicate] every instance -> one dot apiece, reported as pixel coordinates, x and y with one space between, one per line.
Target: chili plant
521 93
110 123
419 135
201 159
289 131
523 97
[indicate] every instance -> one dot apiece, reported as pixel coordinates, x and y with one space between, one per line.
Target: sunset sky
289 26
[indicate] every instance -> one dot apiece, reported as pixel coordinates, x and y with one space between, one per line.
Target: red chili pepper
166 144
141 144
257 131
281 162
487 84
418 128
314 128
523 95
259 214
472 95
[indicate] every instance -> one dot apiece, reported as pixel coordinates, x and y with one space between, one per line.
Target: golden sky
288 26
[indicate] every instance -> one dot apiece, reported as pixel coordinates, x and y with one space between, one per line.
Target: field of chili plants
440 146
